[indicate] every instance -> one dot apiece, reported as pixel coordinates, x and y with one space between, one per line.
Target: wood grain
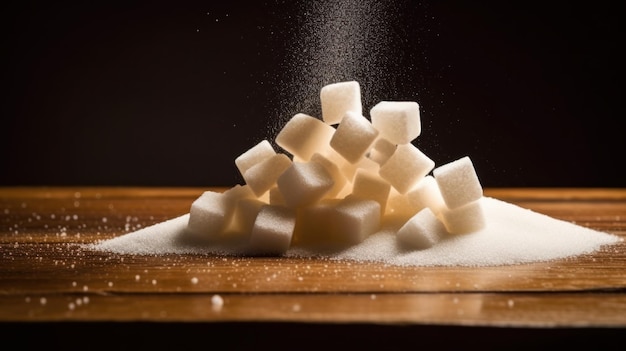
47 276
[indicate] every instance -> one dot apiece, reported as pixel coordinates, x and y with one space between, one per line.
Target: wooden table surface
48 280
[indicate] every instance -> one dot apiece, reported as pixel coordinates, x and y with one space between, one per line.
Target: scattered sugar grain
217 302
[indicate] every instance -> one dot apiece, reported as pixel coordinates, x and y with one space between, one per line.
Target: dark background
168 94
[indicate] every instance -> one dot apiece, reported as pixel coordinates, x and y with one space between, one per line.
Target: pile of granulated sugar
350 187
513 235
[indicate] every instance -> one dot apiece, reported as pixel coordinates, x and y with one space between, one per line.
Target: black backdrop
168 94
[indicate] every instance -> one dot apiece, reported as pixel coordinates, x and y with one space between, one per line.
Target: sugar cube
304 135
244 216
262 176
276 197
371 186
406 167
353 137
356 219
349 170
261 151
398 121
314 225
422 231
464 219
381 150
208 216
336 223
399 207
458 182
304 183
272 230
427 194
338 98
339 180
236 193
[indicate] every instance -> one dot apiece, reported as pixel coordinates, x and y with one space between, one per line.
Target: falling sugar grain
331 41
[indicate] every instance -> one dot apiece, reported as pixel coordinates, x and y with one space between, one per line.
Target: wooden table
48 283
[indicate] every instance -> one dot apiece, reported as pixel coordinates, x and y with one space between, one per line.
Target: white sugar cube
349 170
212 214
262 176
427 194
399 208
314 225
422 231
254 155
354 137
371 186
458 182
356 219
272 230
398 121
244 216
407 166
338 98
333 156
346 191
265 197
304 183
339 180
381 150
208 216
337 223
464 219
236 193
304 135
276 197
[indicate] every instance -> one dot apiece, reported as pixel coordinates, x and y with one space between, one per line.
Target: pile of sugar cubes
338 180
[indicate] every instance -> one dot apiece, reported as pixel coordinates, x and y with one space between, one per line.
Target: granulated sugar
513 235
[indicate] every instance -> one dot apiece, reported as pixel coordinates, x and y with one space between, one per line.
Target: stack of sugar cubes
338 181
